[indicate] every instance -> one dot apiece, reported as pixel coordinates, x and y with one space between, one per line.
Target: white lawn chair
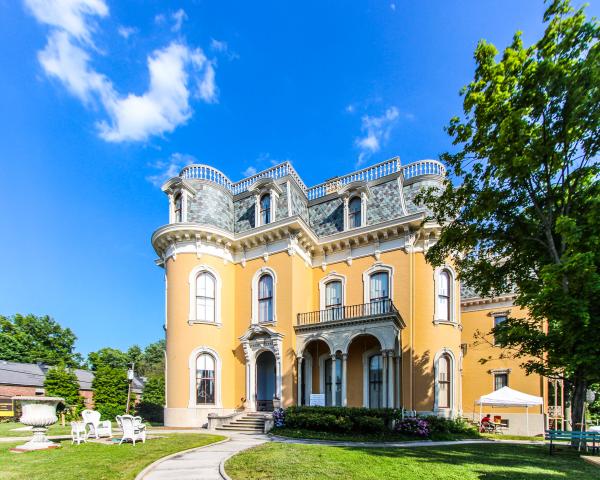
133 428
78 433
96 427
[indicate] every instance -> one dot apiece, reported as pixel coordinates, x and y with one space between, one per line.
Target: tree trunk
577 403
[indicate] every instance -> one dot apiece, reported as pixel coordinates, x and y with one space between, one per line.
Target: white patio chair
96 427
78 433
133 429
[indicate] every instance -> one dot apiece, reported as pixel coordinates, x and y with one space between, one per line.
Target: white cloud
218 45
249 171
160 18
393 6
177 72
126 32
375 131
170 168
350 108
72 16
179 16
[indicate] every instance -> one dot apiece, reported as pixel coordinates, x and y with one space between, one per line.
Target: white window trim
255 280
331 277
218 379
453 380
454 316
363 209
273 207
192 318
366 355
185 196
375 268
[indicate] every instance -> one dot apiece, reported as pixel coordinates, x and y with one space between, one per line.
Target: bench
574 436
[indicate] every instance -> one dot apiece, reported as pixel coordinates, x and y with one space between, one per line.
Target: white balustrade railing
422 167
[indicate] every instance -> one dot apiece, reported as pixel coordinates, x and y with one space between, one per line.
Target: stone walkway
202 463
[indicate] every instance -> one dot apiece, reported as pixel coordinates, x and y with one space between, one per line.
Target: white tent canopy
507 397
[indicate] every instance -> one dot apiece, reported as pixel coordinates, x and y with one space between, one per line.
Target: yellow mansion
283 294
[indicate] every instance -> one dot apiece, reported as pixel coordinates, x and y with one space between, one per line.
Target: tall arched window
205 379
333 299
375 381
265 298
265 209
379 292
444 306
205 297
444 378
178 208
354 212
329 381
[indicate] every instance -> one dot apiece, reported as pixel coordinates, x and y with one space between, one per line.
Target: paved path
201 463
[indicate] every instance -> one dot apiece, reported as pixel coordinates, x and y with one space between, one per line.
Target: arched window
205 379
265 209
333 299
205 297
178 208
265 298
444 306
444 377
354 212
375 381
379 292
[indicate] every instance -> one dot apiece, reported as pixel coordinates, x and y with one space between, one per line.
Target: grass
283 461
94 461
56 429
356 437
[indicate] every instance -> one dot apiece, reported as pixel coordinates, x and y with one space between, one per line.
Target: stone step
234 428
249 420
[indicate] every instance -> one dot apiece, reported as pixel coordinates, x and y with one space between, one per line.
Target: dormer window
265 209
355 212
178 208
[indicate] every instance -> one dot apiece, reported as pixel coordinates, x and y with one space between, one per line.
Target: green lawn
6 430
280 461
93 461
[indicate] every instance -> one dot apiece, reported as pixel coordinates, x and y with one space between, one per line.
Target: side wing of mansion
277 293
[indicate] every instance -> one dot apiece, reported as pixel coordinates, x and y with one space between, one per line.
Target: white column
344 380
299 402
346 219
390 402
333 382
252 385
384 375
278 377
398 388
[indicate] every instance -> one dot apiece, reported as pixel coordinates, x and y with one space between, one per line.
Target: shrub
341 419
447 425
151 407
62 382
413 426
110 391
279 417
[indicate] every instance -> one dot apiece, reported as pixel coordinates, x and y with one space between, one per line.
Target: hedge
341 419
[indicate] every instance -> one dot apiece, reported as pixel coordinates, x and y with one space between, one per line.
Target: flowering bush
413 426
279 417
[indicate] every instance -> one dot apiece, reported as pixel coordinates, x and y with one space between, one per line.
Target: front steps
247 423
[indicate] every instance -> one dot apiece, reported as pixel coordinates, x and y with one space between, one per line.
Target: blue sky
101 100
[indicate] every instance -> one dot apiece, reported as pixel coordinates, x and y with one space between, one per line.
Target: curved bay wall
212 205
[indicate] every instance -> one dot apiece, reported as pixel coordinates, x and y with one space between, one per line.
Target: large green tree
149 362
110 391
523 212
62 382
31 338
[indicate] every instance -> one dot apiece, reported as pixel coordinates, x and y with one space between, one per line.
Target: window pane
379 286
265 286
444 283
265 209
500 380
443 304
375 382
444 381
333 294
354 212
205 379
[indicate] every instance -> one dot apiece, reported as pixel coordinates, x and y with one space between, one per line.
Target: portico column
300 380
333 382
398 388
278 378
390 402
384 375
251 385
344 379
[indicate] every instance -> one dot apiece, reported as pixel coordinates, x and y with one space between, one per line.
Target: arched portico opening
266 381
312 363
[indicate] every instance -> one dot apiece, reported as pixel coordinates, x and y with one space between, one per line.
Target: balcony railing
375 309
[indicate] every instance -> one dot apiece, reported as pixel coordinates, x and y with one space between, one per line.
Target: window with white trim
333 299
265 298
265 209
355 212
444 378
500 380
205 379
498 319
205 297
178 211
444 300
379 292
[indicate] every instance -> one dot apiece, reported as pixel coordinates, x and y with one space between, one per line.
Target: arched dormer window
205 297
178 208
205 379
265 298
444 381
355 212
265 209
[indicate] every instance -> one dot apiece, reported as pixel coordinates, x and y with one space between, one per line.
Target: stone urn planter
39 413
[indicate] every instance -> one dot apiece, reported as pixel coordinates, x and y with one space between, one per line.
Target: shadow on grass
495 461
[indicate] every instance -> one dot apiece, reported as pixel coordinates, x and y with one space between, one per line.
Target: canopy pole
480 415
527 418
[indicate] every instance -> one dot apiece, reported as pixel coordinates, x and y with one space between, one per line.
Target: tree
525 215
110 357
32 338
62 382
110 391
153 399
152 362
